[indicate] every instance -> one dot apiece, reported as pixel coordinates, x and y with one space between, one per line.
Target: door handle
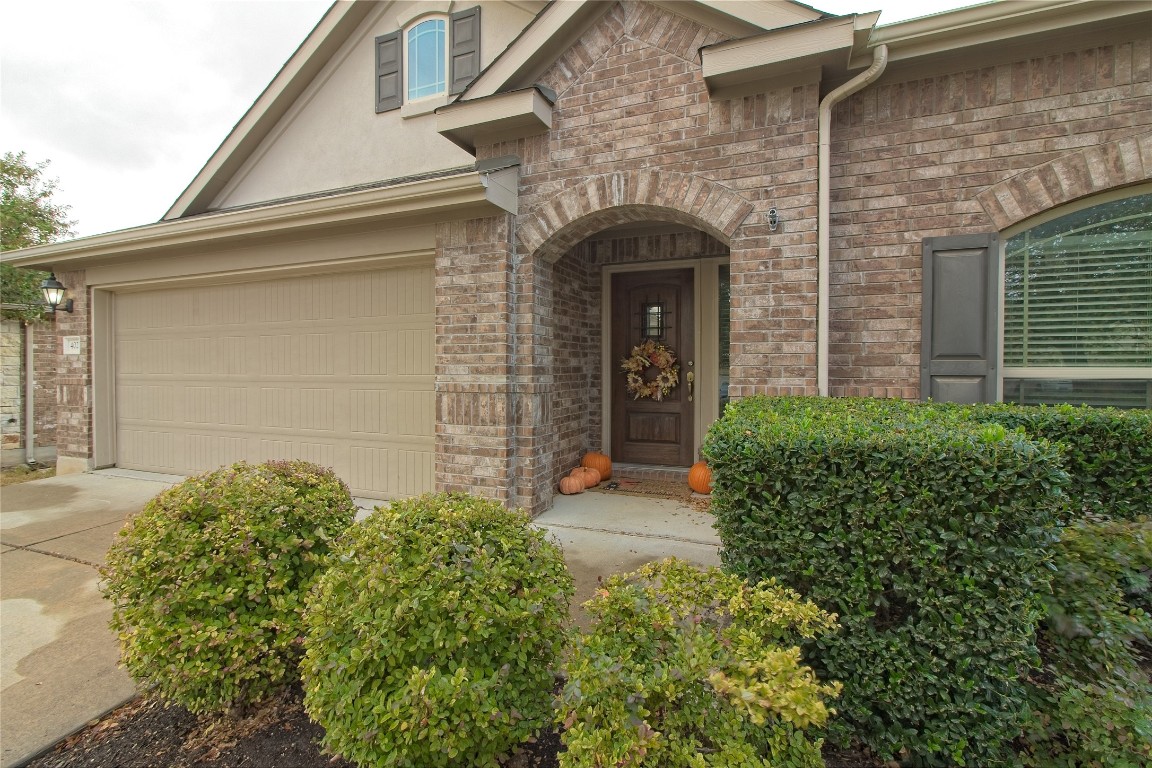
690 377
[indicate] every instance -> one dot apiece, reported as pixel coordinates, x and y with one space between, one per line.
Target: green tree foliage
28 217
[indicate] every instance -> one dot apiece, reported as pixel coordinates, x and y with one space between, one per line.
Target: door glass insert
652 320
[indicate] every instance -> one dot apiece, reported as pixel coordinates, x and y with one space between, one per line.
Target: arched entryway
606 265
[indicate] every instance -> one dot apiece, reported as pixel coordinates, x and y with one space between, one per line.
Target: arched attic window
427 54
1078 307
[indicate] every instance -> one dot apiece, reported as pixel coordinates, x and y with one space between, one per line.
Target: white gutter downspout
824 256
29 395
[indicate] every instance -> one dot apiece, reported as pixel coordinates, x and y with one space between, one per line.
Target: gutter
823 216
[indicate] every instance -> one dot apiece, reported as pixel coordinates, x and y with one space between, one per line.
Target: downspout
824 256
29 395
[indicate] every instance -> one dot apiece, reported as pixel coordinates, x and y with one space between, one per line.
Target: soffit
445 198
795 52
995 22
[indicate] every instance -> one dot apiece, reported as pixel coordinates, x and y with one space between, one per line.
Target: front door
657 426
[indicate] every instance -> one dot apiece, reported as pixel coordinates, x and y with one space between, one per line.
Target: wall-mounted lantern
53 291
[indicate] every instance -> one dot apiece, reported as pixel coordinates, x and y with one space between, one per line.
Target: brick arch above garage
1112 165
594 203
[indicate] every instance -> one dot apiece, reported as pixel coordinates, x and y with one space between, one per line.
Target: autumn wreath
650 354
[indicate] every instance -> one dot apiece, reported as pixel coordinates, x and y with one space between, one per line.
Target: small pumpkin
700 478
598 462
570 485
591 476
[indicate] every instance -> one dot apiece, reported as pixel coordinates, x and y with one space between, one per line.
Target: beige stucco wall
333 138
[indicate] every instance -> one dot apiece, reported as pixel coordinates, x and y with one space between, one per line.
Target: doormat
675 490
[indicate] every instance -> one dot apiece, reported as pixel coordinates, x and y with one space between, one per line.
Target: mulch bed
144 733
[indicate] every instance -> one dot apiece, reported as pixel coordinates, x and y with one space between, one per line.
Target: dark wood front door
656 305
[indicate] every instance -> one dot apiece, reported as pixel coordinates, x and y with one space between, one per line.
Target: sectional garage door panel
335 369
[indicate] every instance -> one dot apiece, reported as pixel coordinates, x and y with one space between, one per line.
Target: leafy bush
1108 452
928 535
1092 702
208 581
689 667
430 642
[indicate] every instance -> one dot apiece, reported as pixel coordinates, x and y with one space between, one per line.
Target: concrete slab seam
549 526
56 555
54 538
87 724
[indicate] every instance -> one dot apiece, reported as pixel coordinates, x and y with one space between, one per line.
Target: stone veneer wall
12 388
969 151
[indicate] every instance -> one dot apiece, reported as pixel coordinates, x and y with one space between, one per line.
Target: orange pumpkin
570 485
598 462
700 478
590 475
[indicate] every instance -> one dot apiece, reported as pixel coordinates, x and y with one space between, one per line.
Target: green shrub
208 581
688 667
1108 452
1091 699
431 640
928 535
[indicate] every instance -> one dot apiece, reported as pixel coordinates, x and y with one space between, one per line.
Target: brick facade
74 379
934 148
973 151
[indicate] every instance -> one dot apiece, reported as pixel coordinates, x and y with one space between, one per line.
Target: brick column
74 379
475 430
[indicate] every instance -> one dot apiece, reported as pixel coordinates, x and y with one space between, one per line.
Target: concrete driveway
59 661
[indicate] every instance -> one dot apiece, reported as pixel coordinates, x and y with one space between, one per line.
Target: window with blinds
1078 307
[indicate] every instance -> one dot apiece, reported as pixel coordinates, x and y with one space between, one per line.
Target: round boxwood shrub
432 638
688 668
208 581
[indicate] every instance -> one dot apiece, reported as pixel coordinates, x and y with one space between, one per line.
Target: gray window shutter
961 298
389 80
464 59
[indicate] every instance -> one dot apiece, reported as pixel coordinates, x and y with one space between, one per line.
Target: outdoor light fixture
53 291
773 219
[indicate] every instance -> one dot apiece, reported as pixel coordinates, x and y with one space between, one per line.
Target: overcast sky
129 98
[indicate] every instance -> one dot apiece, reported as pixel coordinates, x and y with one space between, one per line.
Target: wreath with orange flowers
644 357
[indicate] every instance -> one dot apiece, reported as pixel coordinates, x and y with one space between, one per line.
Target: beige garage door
335 369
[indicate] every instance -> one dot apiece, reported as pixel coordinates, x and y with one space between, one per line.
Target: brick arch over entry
596 202
1096 169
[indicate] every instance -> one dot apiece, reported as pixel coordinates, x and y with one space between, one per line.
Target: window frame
406 53
1059 373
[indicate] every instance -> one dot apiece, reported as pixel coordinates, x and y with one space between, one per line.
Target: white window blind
1078 290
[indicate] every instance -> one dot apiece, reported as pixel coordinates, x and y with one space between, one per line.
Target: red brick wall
922 157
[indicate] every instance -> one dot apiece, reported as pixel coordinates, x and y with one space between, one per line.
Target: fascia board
774 54
290 82
441 199
992 22
503 117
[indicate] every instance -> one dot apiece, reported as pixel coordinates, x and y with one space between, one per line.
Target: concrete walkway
59 661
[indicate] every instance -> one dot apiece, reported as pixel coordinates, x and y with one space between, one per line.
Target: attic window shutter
464 59
959 347
389 80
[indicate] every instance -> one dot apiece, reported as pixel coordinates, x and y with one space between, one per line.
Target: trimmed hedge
432 638
928 536
1108 452
207 582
